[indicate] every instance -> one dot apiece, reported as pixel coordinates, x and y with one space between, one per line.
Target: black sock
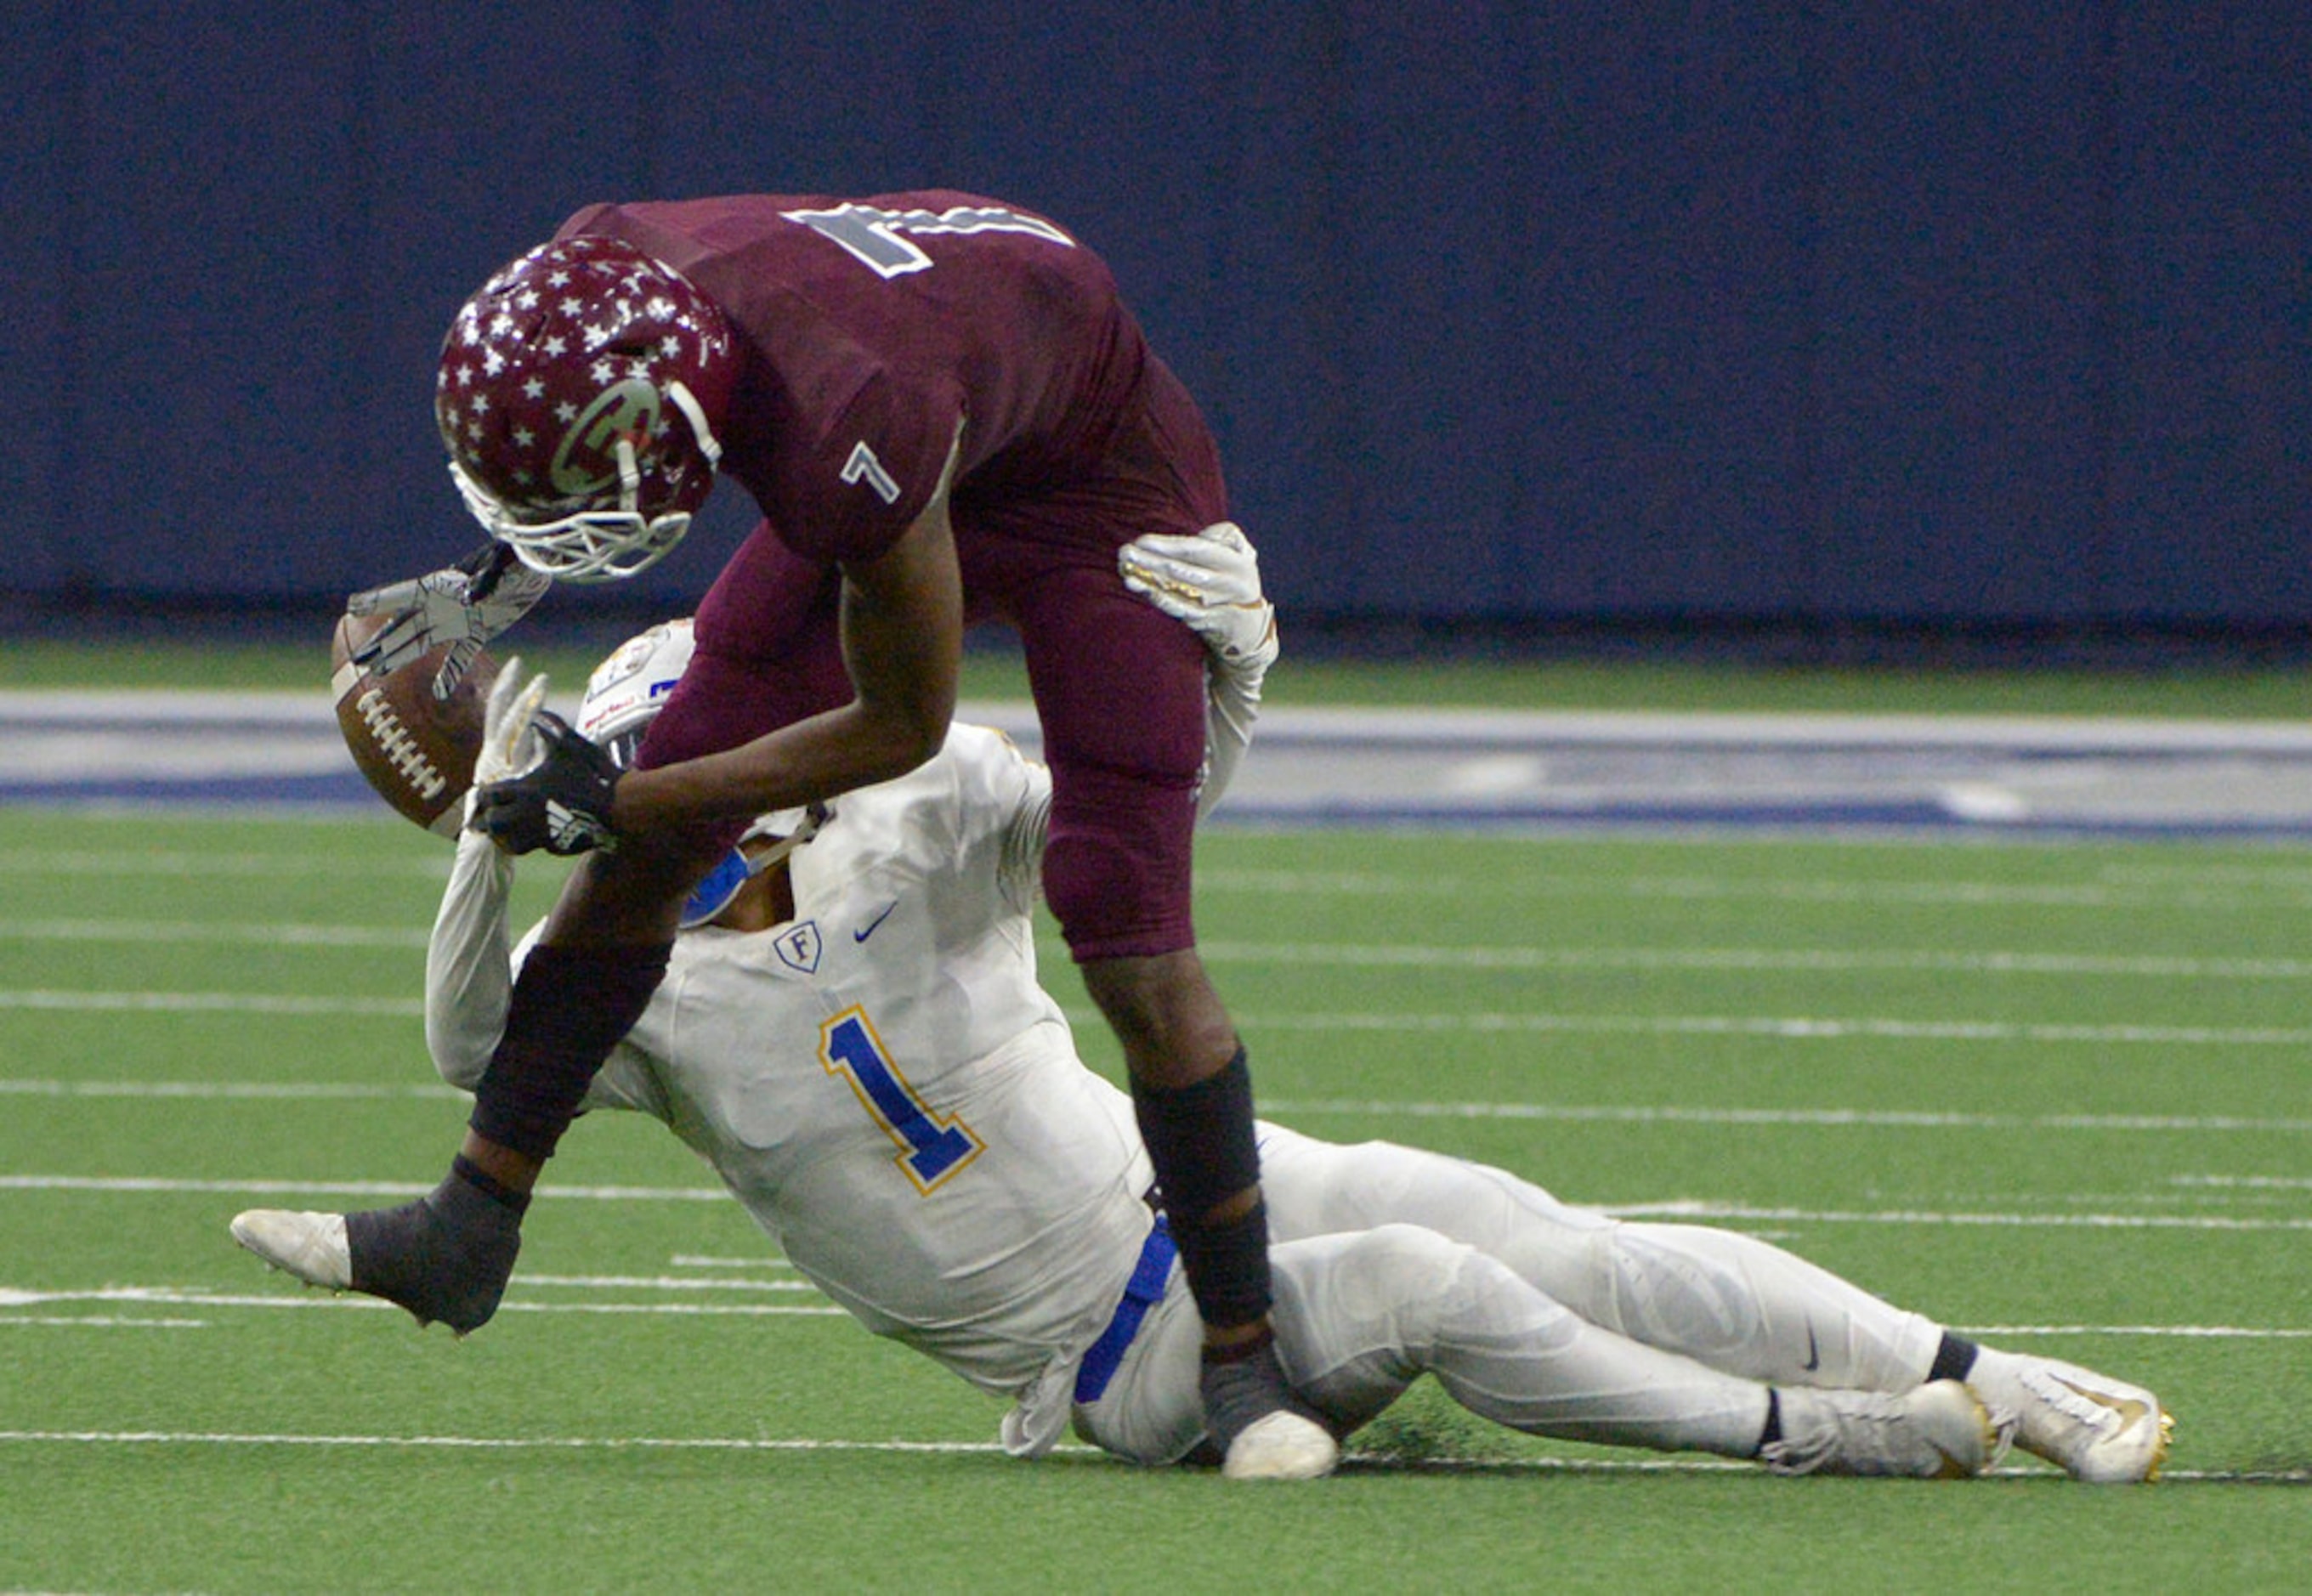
1774 1430
1954 1359
446 1256
1227 1267
1199 1140
1237 1352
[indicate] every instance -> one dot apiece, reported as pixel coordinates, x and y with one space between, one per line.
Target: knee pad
1117 863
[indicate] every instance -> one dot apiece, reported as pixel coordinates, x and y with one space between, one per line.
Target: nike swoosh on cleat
2131 1412
868 930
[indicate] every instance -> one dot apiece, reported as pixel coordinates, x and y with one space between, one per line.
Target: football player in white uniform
852 1035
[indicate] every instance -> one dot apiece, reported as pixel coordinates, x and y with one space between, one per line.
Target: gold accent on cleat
2131 1413
1957 1468
2159 1451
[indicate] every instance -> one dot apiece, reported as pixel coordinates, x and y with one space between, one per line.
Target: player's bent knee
1117 863
1114 902
1402 1276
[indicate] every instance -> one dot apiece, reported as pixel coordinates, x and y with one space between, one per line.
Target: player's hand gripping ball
418 751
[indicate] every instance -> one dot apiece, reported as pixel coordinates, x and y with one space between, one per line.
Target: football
418 751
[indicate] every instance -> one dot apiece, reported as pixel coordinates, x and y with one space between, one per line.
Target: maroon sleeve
871 472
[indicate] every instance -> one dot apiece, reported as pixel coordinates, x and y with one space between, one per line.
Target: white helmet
624 694
623 697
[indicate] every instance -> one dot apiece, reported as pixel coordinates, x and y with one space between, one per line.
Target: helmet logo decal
584 462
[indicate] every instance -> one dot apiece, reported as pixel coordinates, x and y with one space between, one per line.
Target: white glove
1212 582
462 607
510 745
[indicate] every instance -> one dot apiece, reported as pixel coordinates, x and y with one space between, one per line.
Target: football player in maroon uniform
945 414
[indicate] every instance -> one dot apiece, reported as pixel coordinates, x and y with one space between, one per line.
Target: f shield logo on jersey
799 948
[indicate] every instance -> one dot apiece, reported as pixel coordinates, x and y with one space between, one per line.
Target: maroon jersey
872 329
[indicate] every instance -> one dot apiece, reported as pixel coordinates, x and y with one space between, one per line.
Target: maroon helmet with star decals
576 397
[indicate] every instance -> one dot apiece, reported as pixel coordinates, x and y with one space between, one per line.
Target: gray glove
460 608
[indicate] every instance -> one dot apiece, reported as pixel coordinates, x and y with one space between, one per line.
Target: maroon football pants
1120 686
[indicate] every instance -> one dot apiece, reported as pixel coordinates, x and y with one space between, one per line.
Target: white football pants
1390 1263
1740 1304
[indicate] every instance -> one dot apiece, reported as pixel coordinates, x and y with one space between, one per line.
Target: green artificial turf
2055 1094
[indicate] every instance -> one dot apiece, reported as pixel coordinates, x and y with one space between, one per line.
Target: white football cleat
1282 1445
1938 1430
310 1246
2096 1428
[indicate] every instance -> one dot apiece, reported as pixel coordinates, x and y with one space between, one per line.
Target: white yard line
1789 1027
1375 1108
164 1184
2183 890
41 861
275 1003
1070 1449
1411 955
2184 896
1793 1027
94 1321
1426 726
287 1091
1887 1119
203 933
1690 1209
183 1296
1672 1208
1985 962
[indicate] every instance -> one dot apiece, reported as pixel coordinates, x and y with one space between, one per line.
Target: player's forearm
812 759
468 978
1231 706
902 629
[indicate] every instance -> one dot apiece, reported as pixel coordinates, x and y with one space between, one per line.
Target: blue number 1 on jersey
932 1147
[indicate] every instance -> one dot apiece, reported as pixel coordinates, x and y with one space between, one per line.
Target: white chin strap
595 546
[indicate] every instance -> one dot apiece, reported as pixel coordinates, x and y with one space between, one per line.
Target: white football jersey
885 1086
881 1081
